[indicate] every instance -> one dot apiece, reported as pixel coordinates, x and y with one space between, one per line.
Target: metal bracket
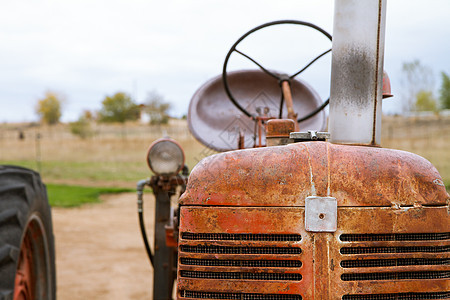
321 214
311 135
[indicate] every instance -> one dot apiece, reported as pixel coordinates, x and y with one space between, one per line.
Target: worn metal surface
392 236
243 234
322 264
216 122
325 271
168 157
25 281
320 214
278 130
291 114
309 136
357 71
164 255
386 86
285 176
236 221
165 234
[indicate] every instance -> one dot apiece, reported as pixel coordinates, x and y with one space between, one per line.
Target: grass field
72 195
110 158
115 155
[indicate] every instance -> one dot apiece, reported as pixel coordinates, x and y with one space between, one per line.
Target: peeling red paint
393 199
286 175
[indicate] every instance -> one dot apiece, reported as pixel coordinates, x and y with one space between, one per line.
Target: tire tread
11 216
8 254
22 194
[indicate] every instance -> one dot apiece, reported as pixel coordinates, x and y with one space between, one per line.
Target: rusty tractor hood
286 175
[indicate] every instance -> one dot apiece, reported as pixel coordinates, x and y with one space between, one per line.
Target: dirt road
99 250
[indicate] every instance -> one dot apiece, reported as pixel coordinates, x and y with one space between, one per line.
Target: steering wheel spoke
259 65
310 63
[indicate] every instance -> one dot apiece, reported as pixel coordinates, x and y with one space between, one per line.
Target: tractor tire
27 250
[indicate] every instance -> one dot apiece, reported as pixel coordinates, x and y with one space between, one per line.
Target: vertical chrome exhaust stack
357 72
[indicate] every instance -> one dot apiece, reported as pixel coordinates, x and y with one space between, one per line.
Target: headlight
165 157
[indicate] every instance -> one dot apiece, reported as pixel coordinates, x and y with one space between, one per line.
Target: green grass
95 172
72 195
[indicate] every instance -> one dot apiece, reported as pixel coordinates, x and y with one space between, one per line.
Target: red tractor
289 211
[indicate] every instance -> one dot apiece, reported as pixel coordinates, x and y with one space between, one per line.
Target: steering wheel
279 77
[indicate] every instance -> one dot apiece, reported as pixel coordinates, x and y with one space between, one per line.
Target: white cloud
90 48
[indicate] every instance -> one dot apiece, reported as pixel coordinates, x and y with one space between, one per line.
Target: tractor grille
238 296
395 263
362 260
399 296
201 258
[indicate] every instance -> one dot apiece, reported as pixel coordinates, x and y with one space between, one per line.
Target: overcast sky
87 49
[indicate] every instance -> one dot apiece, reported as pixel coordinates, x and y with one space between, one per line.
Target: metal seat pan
215 121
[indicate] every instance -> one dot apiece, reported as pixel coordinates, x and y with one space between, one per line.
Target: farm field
115 155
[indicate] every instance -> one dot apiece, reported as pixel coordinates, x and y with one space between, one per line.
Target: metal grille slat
396 276
242 263
370 263
242 237
242 275
240 250
395 237
414 249
399 296
238 296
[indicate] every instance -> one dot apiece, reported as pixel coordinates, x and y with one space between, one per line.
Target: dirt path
99 250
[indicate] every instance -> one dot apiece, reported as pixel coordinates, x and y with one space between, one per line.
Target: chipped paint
321 256
313 187
439 182
286 175
262 192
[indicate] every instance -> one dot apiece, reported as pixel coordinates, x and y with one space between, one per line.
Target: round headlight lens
165 157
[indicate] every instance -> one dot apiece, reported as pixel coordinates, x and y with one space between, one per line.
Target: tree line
417 95
117 108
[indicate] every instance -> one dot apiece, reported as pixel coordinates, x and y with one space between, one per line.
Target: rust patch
388 242
286 175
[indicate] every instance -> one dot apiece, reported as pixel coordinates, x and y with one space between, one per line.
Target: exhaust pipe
357 72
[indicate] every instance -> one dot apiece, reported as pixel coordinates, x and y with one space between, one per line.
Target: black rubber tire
24 205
